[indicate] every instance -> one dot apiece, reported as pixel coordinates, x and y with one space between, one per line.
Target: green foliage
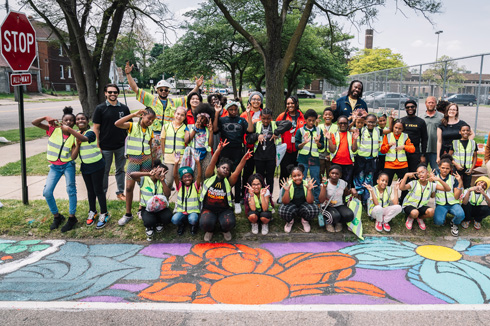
453 74
368 60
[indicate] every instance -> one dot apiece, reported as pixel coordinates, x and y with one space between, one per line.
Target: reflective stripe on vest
463 156
148 189
258 130
368 146
138 141
174 140
89 152
337 145
383 200
418 196
310 147
187 200
447 197
333 128
58 147
291 189
209 182
393 154
476 200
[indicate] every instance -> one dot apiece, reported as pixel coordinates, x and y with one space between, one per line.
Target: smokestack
369 39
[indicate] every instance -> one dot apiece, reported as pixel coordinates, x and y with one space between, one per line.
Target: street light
437 48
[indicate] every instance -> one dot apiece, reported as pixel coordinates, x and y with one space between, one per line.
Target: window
69 72
62 72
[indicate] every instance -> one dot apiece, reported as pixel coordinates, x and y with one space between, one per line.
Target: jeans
120 161
431 159
314 174
179 218
364 169
441 211
54 175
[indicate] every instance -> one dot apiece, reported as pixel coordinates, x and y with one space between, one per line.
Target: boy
328 126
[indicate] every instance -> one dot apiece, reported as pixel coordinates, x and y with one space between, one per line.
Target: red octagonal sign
18 41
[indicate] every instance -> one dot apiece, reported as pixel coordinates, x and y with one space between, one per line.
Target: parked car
229 90
223 91
302 93
387 100
485 99
464 99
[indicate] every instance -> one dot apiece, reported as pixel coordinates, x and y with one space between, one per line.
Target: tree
88 31
445 71
368 60
277 59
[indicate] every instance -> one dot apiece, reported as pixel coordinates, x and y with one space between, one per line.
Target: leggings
477 213
95 189
226 220
266 169
338 214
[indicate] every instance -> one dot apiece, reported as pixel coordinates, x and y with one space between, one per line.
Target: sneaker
125 219
208 236
159 228
121 197
194 229
265 229
306 225
421 224
238 208
181 229
69 224
57 222
409 223
386 227
149 234
378 226
454 230
255 228
91 218
330 228
465 224
338 227
103 219
227 236
288 226
477 225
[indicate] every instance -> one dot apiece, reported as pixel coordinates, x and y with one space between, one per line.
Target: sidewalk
11 153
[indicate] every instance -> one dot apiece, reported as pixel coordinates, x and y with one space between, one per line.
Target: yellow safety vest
258 130
383 199
393 154
138 141
149 189
89 152
209 182
258 204
174 140
187 200
58 147
447 197
476 200
337 145
310 147
333 128
464 156
291 189
419 196
369 143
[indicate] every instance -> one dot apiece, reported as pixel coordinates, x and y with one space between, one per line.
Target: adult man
163 106
111 139
352 101
432 119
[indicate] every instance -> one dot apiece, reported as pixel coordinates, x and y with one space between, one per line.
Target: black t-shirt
450 133
267 150
110 136
215 199
233 129
416 129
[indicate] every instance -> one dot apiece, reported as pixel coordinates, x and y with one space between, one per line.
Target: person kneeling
258 203
472 203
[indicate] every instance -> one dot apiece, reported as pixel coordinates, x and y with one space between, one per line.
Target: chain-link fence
465 81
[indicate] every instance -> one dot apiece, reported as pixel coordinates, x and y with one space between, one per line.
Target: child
327 127
379 207
138 151
187 204
472 203
383 130
448 202
200 136
152 184
258 203
92 169
215 196
266 134
60 145
367 155
415 203
298 199
332 195
464 152
173 140
309 140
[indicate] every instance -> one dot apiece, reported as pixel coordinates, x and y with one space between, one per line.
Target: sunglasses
163 90
410 107
112 92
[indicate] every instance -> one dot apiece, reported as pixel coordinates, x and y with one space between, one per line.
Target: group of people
233 158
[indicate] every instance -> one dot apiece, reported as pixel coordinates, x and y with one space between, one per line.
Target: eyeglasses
112 92
342 123
255 100
163 90
410 107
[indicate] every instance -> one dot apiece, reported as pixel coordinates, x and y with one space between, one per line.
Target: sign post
19 48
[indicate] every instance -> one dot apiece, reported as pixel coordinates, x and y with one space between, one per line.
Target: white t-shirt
337 191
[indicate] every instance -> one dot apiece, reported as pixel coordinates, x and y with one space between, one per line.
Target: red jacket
244 116
288 136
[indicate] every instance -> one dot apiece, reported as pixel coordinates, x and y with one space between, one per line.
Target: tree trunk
274 77
233 80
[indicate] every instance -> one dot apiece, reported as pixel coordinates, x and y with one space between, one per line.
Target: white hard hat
163 83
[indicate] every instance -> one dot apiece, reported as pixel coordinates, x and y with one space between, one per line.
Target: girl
326 127
194 99
472 203
173 140
92 169
332 193
448 202
215 196
200 136
298 199
464 152
187 204
379 207
415 203
138 151
383 130
153 183
60 145
258 203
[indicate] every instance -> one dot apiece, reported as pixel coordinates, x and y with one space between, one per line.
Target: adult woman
293 114
448 130
193 100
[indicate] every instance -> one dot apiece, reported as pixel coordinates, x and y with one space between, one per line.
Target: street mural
373 271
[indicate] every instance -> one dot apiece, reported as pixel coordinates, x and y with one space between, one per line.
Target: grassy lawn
14 135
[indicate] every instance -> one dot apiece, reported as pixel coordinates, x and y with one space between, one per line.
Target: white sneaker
227 236
238 208
149 234
208 236
306 225
125 219
265 229
255 228
1 205
288 226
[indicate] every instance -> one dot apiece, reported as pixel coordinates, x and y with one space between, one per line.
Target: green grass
13 135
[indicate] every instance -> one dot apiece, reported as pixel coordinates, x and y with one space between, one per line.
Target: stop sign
18 41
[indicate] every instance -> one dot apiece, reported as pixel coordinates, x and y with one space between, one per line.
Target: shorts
138 163
421 210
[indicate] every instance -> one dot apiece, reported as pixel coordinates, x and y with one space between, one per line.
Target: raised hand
163 173
317 138
324 179
263 191
306 137
128 68
368 187
222 143
140 113
177 157
393 114
355 134
285 184
247 155
311 184
261 138
250 189
457 177
432 177
327 134
249 108
199 81
217 107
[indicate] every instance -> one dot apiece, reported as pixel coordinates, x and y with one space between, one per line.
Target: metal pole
25 198
401 85
420 83
478 97
445 76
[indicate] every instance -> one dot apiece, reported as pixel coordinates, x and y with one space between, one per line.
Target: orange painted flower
238 274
